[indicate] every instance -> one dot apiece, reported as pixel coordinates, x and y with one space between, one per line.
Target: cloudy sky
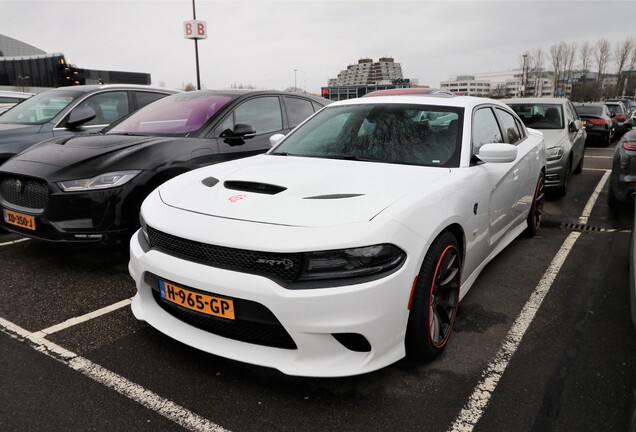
262 42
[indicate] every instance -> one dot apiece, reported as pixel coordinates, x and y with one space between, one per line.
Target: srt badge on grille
19 186
282 263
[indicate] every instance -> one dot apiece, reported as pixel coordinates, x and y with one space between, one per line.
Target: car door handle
515 174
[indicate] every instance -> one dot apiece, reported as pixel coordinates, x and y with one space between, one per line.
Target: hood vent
248 186
210 181
334 196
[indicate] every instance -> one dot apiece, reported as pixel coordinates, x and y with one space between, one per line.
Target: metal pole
196 49
295 86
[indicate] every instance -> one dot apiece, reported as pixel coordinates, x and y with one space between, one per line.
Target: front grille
24 192
253 322
281 267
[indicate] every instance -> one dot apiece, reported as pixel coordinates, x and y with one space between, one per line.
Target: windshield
540 116
393 133
40 108
175 115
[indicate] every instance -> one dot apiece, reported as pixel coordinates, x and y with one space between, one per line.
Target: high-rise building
366 72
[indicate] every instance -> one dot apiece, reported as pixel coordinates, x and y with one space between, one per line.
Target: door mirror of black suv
79 116
244 131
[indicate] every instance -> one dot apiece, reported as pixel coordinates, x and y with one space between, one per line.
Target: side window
521 127
297 110
263 113
510 126
317 106
144 98
485 129
108 106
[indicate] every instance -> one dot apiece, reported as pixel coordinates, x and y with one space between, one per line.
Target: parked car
70 110
563 132
598 121
619 113
88 188
622 182
11 98
347 246
626 103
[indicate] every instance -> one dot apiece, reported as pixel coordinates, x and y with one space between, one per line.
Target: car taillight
620 117
598 121
629 145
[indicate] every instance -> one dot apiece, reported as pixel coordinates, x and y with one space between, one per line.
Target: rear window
589 110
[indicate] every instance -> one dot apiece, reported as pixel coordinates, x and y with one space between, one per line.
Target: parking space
570 368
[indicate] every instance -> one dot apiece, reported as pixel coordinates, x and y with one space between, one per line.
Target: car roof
409 91
467 102
19 95
236 93
535 100
90 88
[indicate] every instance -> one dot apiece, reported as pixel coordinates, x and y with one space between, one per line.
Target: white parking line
587 211
599 157
78 320
15 241
135 392
478 401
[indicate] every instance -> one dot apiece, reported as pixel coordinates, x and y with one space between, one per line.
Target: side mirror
573 127
238 136
80 116
275 139
244 131
497 153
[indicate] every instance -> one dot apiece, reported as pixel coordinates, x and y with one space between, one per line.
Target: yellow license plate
584 122
207 304
19 219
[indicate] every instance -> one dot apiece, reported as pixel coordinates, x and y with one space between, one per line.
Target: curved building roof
10 47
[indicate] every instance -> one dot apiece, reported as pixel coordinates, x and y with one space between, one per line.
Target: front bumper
91 216
556 172
376 310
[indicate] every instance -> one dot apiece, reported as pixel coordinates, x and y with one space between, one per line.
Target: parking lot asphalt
74 358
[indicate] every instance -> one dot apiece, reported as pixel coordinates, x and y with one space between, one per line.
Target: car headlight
554 153
144 227
356 262
102 181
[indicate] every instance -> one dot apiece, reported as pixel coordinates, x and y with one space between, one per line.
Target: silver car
563 132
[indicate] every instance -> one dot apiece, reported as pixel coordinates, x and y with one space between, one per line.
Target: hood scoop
334 196
255 187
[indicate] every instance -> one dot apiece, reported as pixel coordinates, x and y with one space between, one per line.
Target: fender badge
236 198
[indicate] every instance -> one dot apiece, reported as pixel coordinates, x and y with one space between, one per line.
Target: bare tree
585 55
602 55
188 86
557 60
536 68
569 57
622 53
632 63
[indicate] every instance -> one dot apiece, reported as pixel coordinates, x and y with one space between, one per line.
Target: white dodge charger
350 244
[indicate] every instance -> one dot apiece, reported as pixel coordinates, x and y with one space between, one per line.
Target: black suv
70 110
88 188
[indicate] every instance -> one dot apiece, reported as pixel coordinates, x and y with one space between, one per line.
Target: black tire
435 299
579 167
607 140
535 215
563 189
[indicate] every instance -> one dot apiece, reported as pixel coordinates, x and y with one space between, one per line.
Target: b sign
195 29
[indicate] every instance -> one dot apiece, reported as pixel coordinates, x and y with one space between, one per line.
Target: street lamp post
295 86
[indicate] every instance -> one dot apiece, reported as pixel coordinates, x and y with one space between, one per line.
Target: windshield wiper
354 158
